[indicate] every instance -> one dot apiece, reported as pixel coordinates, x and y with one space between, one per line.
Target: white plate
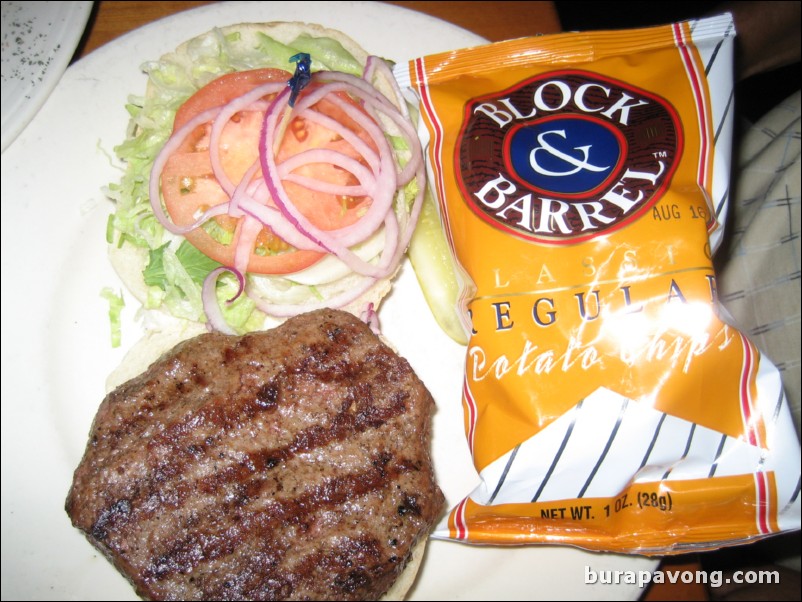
39 39
55 333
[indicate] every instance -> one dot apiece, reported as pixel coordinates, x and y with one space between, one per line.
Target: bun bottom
406 579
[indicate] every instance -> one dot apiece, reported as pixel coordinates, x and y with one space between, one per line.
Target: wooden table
505 20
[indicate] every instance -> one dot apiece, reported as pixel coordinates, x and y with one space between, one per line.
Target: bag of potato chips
608 403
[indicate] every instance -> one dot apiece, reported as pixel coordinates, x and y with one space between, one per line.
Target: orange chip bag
583 182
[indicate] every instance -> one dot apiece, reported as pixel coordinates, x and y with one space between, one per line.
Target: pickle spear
434 267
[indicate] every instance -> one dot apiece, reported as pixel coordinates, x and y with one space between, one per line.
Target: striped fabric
759 267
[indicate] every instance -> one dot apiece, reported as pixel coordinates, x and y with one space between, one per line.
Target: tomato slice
189 186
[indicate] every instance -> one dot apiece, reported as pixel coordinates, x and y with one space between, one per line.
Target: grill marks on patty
184 555
293 463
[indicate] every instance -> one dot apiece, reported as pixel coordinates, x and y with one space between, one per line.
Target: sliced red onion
332 157
211 307
373 66
416 156
249 229
379 207
251 199
344 82
326 187
372 96
270 169
172 145
347 134
242 189
273 219
351 294
374 101
371 318
414 168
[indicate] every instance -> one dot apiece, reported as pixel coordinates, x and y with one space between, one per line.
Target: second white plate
39 39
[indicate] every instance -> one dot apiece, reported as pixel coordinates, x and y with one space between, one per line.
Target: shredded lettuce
116 304
218 233
182 294
410 192
110 229
241 314
328 52
398 143
196 264
279 53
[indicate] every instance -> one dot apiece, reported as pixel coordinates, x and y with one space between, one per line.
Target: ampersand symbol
578 164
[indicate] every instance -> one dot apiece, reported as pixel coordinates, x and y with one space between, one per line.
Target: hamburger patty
287 464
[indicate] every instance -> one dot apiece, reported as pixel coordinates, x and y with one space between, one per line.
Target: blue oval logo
570 155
